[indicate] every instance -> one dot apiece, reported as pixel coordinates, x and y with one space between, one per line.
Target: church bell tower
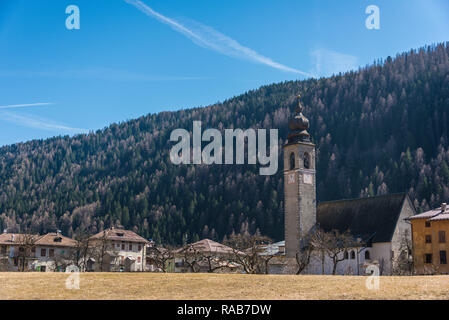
299 183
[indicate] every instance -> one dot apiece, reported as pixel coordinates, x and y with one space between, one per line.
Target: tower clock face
307 178
291 178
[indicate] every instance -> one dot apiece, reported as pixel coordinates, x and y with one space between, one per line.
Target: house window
43 252
4 249
139 247
130 247
352 254
428 238
367 255
443 259
16 262
428 258
346 255
442 236
51 252
427 224
123 246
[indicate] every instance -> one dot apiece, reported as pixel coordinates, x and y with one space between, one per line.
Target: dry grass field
217 286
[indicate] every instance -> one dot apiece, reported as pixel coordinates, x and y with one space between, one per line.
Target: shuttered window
442 236
443 259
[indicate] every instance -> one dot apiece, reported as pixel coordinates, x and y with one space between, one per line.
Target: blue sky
131 58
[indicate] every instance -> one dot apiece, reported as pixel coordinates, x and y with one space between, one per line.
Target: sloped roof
120 235
273 249
208 246
49 239
433 215
15 238
55 239
372 219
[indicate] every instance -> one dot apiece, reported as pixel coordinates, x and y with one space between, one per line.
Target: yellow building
430 244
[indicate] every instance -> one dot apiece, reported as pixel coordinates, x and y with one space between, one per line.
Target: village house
110 250
28 252
16 251
205 256
430 245
117 249
53 252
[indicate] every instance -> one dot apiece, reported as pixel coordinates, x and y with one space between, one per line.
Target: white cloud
209 38
38 123
328 62
13 106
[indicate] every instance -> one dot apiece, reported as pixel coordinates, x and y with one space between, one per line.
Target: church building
379 224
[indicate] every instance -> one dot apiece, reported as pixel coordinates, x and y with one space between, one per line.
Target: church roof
372 219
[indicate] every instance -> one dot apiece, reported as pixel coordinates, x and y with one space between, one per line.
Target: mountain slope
381 129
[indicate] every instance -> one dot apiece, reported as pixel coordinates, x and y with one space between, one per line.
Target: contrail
207 37
25 105
38 123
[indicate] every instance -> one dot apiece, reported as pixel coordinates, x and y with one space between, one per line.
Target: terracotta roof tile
15 238
120 235
55 239
207 245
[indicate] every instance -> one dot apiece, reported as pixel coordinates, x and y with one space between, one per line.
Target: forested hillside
382 129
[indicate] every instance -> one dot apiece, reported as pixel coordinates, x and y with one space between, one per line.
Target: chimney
5 230
443 207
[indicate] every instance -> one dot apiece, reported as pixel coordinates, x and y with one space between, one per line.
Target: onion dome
298 125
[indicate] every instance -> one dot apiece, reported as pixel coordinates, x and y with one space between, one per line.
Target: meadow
217 286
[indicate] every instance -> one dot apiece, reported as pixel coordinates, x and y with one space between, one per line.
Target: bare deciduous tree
333 244
159 256
192 257
303 256
26 245
247 251
82 252
62 259
103 251
403 262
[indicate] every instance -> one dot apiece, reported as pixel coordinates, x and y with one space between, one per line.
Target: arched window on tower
352 254
367 255
292 161
306 161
